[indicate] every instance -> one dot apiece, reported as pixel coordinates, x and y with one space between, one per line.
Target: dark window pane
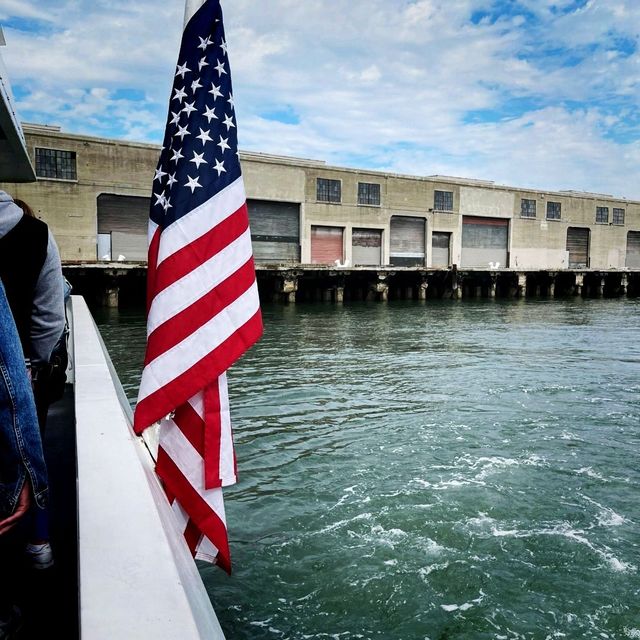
368 193
443 200
328 190
618 216
53 163
553 210
527 208
602 214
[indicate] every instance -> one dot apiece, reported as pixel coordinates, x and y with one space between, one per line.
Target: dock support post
521 289
110 296
422 289
339 295
599 287
493 285
552 284
577 289
287 287
624 284
327 294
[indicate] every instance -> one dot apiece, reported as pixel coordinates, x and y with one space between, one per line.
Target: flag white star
182 69
189 108
219 167
182 132
176 155
159 199
209 114
195 85
228 120
193 183
176 117
204 43
223 46
198 159
223 144
231 102
204 136
167 205
203 63
159 174
220 68
171 180
215 91
180 95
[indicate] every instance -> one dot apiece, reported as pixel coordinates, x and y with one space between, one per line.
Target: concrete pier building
324 232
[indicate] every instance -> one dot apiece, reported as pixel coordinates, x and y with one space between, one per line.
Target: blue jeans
21 456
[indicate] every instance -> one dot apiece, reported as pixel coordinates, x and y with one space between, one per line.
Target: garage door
366 246
578 247
326 244
484 241
124 219
275 231
440 243
407 241
633 250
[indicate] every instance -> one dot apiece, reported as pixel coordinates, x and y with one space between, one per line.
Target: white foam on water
342 523
423 572
465 606
607 517
588 471
391 563
565 530
632 633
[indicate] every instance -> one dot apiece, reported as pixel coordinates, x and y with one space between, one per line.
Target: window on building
443 200
329 190
554 210
368 193
602 215
53 163
527 208
618 216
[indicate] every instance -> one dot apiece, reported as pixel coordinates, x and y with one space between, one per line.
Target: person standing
23 472
31 272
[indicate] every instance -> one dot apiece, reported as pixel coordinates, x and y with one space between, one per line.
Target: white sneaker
40 555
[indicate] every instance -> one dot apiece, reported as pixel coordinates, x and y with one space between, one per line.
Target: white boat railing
136 576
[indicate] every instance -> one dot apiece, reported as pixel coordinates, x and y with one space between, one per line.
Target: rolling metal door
633 250
407 241
440 243
128 214
578 247
125 219
484 241
275 231
326 245
366 246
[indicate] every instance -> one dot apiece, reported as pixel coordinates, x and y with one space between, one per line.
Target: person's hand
24 499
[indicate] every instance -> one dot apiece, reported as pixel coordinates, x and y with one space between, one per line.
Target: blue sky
533 93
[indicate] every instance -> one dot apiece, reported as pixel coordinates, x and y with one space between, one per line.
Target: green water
447 471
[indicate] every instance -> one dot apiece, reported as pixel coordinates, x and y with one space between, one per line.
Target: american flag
203 310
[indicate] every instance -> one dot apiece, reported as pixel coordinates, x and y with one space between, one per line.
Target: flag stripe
198 252
183 324
181 294
219 330
161 399
199 220
189 461
200 511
